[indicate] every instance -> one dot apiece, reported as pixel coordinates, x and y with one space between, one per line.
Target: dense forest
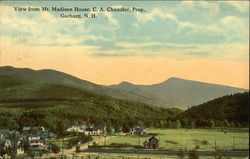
56 107
229 111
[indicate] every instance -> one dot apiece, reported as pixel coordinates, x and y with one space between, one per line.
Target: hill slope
174 92
30 103
231 108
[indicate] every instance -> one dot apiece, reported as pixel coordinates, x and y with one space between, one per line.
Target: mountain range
174 92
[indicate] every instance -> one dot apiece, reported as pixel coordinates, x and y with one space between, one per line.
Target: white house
20 146
87 130
137 130
36 143
5 143
77 128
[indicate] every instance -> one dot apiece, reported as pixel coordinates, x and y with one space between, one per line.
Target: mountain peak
172 79
124 83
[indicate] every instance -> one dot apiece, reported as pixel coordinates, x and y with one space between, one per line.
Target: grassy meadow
133 156
203 139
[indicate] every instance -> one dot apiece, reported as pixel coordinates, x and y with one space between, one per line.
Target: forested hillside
31 103
57 106
229 111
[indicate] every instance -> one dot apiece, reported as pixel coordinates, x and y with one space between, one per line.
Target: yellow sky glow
137 70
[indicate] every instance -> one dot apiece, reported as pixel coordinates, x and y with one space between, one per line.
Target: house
152 143
20 146
36 142
12 142
37 139
5 146
87 130
5 143
99 129
137 130
77 128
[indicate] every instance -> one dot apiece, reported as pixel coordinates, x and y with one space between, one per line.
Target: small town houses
10 142
37 139
31 138
101 129
87 130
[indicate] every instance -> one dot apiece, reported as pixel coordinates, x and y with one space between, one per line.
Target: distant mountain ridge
179 92
174 92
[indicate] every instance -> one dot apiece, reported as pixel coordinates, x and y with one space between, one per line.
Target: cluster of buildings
101 129
37 137
10 142
30 138
88 130
151 143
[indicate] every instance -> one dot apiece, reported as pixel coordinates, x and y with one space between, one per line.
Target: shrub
55 149
171 142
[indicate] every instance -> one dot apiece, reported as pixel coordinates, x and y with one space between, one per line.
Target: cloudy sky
203 41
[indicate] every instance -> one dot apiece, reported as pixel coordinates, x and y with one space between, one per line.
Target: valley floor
187 139
203 140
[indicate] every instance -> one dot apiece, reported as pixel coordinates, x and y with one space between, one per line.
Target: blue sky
179 30
188 24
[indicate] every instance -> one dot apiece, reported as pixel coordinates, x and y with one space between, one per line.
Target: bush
204 142
201 142
84 138
55 149
171 142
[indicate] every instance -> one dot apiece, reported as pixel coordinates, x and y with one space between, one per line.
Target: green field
133 156
203 139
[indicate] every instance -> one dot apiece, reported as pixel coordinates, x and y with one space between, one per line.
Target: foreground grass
203 139
134 156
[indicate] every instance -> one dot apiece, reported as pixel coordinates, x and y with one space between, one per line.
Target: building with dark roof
152 143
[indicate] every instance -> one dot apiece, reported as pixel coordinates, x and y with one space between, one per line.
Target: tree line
228 111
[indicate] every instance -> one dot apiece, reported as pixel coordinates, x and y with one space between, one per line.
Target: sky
197 40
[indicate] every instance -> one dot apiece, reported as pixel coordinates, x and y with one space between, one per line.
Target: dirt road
70 152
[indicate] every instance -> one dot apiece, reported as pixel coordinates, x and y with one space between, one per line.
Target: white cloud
231 51
43 28
111 19
235 27
144 17
150 44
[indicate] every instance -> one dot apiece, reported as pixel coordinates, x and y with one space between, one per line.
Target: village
37 141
